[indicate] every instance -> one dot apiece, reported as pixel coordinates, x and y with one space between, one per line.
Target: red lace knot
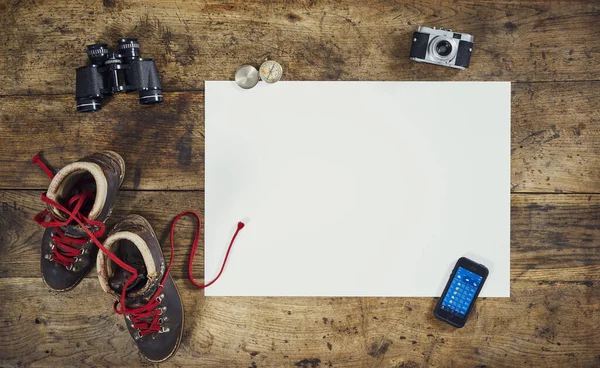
65 249
147 318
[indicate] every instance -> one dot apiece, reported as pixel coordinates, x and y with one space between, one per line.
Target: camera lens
97 53
443 48
89 104
129 47
151 96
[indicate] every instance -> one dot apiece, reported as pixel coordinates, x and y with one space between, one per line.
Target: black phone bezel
448 317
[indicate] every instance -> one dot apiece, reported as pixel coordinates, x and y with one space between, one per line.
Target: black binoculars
111 72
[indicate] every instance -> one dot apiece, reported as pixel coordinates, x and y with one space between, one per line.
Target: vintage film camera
441 47
109 73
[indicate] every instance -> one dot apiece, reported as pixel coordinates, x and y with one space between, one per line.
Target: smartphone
460 293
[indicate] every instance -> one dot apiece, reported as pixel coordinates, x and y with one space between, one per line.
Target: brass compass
247 76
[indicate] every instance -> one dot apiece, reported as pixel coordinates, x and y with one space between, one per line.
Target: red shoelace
65 249
146 318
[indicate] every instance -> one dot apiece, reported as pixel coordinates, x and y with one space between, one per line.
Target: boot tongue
117 282
74 230
129 253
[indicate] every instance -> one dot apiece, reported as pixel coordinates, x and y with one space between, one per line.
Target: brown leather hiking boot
79 199
133 270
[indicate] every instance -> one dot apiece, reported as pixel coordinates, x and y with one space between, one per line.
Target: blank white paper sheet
356 188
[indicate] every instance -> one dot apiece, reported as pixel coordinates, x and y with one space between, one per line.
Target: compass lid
246 76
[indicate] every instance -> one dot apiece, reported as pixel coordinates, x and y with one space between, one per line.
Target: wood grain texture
548 325
553 314
163 145
555 141
44 41
553 237
555 138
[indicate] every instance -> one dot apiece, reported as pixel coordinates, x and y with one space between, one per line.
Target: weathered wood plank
552 317
540 325
555 141
555 145
554 237
44 41
163 145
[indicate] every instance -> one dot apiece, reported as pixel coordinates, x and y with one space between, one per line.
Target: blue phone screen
461 292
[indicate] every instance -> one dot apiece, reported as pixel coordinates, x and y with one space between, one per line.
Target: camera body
109 73
441 47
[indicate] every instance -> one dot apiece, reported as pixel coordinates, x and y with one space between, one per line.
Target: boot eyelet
137 335
163 329
77 259
83 251
127 317
49 257
160 297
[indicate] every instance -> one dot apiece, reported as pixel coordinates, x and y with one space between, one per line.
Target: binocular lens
129 47
89 104
110 73
150 97
97 53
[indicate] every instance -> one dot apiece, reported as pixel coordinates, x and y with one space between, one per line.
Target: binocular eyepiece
109 73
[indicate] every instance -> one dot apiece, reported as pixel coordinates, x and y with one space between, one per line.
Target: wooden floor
550 50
